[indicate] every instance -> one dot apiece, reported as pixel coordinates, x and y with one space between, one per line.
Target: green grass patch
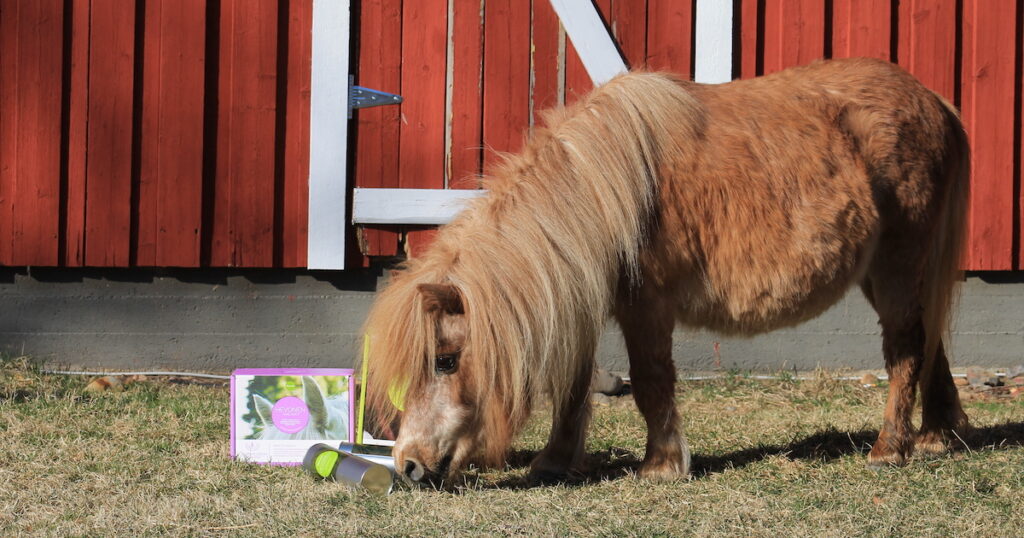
771 458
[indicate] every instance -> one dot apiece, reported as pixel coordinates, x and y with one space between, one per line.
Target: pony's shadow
824 446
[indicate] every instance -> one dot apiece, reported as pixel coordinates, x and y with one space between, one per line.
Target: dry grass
772 458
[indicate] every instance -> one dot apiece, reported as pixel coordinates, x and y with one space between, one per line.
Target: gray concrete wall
219 320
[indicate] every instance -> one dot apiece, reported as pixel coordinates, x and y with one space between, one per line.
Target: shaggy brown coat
741 207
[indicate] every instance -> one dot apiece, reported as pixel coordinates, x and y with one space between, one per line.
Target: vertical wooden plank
243 223
30 139
750 18
577 81
377 139
466 152
170 182
424 67
296 150
73 254
546 61
927 43
629 26
988 97
506 77
861 28
794 33
110 136
670 36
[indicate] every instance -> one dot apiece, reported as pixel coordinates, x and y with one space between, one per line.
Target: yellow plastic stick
362 389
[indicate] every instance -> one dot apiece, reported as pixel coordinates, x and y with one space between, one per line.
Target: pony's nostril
413 469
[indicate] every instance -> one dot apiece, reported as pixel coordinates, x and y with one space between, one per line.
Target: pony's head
428 358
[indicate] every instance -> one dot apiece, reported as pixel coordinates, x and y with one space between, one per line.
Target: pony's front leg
564 451
647 322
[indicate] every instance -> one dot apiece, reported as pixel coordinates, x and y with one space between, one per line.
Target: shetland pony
741 207
328 417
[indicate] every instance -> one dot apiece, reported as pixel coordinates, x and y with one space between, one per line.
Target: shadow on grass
828 445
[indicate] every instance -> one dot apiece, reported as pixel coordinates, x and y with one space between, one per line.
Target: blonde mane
538 260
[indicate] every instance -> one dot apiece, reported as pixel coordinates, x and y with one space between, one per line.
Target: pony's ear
443 298
263 408
314 398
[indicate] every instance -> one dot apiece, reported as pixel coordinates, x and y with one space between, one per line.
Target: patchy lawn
771 458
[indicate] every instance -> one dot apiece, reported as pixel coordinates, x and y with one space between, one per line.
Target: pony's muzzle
414 470
421 475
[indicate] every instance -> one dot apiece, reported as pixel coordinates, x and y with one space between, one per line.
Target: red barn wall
175 132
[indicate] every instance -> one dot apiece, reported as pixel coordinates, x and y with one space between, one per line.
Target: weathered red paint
115 160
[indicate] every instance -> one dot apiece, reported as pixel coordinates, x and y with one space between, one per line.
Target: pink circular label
290 414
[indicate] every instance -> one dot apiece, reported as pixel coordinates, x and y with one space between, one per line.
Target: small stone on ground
600 399
606 383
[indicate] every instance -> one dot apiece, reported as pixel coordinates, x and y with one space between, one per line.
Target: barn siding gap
211 126
280 122
138 57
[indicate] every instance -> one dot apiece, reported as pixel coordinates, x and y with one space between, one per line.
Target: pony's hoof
663 473
933 443
882 459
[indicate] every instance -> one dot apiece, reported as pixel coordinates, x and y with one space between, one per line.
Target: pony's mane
538 260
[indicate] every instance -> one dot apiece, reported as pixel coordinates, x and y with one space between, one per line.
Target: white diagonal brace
590 37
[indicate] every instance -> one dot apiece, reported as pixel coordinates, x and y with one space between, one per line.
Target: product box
278 413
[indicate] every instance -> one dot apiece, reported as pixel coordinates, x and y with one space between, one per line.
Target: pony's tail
942 273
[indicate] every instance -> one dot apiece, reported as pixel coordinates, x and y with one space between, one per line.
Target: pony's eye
446 363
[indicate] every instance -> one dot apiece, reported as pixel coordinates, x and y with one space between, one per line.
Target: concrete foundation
217 320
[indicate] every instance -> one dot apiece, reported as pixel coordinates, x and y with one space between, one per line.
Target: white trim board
713 42
328 135
410 206
596 48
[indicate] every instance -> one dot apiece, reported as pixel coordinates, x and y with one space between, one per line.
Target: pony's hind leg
564 451
899 315
647 323
903 347
942 417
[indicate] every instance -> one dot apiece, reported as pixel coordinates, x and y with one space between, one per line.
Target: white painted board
713 42
409 206
328 135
